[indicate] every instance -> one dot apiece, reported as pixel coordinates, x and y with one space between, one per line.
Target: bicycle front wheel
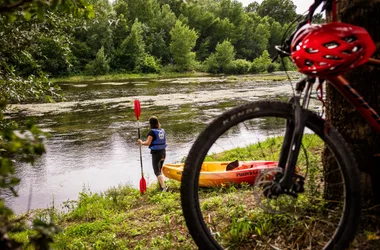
232 209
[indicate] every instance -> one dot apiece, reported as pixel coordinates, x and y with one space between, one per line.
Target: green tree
283 11
144 11
252 7
254 35
39 8
183 40
120 31
231 9
158 37
276 34
52 56
261 64
34 46
149 64
221 60
100 65
90 35
202 17
132 49
175 5
222 29
19 143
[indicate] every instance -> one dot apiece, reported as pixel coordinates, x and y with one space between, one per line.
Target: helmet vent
312 51
350 39
331 57
331 45
356 48
347 52
309 63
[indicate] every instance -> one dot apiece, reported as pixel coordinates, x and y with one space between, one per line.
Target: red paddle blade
142 185
137 108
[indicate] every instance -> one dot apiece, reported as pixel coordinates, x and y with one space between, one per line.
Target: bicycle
312 194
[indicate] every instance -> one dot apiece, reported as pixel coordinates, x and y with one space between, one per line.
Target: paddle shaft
138 129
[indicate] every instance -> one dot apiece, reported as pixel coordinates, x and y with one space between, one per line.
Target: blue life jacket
159 143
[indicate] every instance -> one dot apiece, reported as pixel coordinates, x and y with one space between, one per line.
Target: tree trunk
363 140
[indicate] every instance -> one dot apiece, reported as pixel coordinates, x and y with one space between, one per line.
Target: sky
302 5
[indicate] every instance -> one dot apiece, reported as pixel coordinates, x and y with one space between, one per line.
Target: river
93 133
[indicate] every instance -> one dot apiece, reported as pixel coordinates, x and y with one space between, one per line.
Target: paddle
137 109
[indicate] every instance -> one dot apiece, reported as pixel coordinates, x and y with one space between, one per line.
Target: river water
93 133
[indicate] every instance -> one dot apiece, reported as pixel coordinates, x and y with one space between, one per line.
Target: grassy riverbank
122 218
276 76
122 77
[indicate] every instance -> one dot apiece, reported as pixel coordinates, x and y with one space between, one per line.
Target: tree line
147 37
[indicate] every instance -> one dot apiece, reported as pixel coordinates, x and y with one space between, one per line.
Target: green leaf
27 15
11 18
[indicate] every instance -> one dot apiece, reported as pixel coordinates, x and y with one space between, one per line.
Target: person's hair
153 122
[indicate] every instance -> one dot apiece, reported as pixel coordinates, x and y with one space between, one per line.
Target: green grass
122 77
128 76
122 218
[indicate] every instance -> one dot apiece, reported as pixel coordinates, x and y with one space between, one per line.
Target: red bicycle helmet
332 48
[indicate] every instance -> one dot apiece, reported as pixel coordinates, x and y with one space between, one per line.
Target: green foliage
222 30
283 11
149 65
224 53
29 46
20 145
158 37
56 58
130 31
16 89
144 11
35 46
183 40
119 30
233 10
261 64
132 49
222 59
39 8
255 32
276 34
100 65
287 64
122 218
239 66
252 7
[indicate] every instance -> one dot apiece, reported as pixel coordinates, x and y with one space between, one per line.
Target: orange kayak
214 174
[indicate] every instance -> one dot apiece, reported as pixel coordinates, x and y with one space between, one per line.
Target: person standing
156 141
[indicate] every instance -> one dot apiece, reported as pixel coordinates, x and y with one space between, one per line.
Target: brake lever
280 52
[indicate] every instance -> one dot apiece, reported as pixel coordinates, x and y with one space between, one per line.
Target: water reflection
94 133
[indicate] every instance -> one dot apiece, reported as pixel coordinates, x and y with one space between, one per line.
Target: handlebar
284 49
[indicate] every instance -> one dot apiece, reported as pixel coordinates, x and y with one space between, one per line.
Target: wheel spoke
259 215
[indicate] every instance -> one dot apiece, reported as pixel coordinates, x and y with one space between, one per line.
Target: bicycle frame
294 130
349 93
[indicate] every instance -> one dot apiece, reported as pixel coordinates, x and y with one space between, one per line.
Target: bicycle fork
293 136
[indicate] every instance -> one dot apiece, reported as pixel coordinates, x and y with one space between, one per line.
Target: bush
289 66
100 65
149 65
261 64
211 64
222 59
239 66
